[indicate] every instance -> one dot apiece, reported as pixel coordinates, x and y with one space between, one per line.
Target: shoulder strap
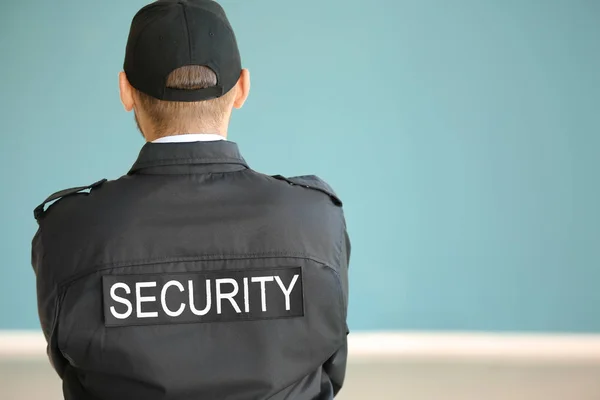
39 210
312 182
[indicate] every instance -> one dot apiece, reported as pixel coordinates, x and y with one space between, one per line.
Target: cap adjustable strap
171 94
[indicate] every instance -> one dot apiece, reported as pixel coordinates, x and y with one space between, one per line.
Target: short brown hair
172 117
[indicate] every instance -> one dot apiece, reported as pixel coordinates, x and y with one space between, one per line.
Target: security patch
222 296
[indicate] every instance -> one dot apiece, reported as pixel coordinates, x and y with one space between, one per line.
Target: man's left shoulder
312 182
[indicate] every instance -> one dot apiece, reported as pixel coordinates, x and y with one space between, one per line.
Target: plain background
463 137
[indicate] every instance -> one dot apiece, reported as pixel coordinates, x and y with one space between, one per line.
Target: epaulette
39 210
312 182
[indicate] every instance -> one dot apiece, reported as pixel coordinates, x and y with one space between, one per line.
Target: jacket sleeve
335 367
47 301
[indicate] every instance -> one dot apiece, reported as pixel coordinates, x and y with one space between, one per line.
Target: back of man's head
182 71
176 117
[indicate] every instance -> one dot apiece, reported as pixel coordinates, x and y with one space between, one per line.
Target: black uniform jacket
194 277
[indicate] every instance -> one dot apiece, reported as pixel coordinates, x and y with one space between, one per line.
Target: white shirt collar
190 137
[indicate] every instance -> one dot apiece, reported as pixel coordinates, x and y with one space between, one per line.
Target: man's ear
243 89
126 92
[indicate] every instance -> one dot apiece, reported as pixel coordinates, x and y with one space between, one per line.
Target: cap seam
187 28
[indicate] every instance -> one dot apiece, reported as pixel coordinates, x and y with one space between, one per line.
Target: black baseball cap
169 34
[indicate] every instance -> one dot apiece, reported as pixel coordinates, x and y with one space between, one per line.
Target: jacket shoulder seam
39 211
314 183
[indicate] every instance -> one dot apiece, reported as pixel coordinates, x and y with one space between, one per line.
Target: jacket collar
188 154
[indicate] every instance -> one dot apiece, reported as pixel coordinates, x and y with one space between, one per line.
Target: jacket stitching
189 173
214 257
339 265
204 161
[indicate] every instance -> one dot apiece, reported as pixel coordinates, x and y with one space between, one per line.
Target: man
193 276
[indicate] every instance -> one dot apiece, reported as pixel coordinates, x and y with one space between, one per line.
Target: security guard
193 276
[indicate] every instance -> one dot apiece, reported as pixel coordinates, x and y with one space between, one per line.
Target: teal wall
462 135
